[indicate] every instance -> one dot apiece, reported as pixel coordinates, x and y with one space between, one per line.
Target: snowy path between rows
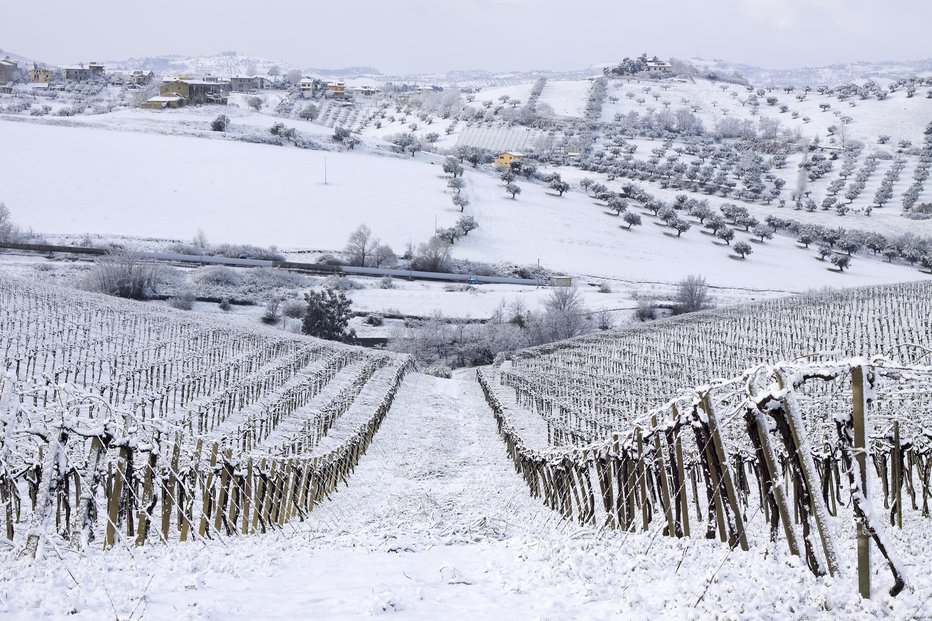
435 524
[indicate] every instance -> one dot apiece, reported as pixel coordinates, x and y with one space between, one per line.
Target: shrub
439 369
374 319
605 288
386 282
327 316
225 305
271 315
645 311
220 124
218 275
341 283
294 309
434 256
182 301
692 294
272 277
124 275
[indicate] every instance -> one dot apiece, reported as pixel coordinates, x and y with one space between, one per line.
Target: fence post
860 456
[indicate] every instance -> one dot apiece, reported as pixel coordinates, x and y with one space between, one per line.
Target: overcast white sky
415 36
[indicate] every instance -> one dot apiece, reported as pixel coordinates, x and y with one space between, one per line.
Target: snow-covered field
125 183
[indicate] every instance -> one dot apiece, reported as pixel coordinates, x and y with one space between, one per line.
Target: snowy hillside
830 75
266 195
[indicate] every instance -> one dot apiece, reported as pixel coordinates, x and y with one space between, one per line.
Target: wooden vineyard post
286 496
223 490
168 493
142 527
247 496
681 472
810 475
897 477
770 465
187 510
116 492
618 477
725 471
641 479
206 492
860 456
672 530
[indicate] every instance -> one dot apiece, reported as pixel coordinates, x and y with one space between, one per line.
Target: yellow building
336 90
41 75
506 158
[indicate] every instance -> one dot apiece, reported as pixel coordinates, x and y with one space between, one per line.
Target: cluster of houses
178 92
174 92
41 77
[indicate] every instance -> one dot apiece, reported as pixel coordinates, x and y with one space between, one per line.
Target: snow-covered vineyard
122 423
127 427
607 430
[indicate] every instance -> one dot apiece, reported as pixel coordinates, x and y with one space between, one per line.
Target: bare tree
692 294
361 245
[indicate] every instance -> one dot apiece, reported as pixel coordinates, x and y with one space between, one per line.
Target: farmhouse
508 157
572 150
241 84
657 67
161 102
141 78
194 92
80 73
365 90
8 70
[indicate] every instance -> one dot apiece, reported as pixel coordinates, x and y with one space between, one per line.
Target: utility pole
325 170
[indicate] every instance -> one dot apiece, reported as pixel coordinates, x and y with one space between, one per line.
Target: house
572 150
507 158
365 90
657 66
194 92
41 75
336 90
8 70
561 281
241 84
141 78
160 102
76 73
6 89
307 85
